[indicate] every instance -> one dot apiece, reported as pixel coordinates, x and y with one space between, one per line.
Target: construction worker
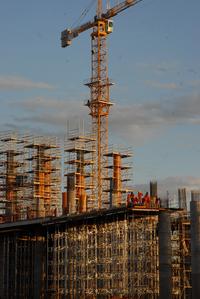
132 199
135 200
147 199
157 202
140 195
128 200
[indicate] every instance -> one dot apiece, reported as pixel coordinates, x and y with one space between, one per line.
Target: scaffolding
30 177
11 177
115 256
119 175
79 171
43 191
181 255
104 254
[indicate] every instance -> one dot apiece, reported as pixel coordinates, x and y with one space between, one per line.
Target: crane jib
68 35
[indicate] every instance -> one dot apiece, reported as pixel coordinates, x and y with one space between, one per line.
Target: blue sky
153 60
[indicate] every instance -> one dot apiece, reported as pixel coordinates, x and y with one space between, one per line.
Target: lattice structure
23 256
186 256
181 256
44 172
79 170
118 175
11 177
30 177
111 258
99 105
110 254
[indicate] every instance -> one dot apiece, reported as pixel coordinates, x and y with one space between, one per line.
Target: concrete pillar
111 193
165 255
83 203
71 194
195 247
182 198
116 192
64 203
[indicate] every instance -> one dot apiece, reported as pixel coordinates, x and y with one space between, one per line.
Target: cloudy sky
153 60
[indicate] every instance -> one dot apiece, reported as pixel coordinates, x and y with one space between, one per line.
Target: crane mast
99 103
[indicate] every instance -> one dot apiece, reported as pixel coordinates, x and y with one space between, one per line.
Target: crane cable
84 13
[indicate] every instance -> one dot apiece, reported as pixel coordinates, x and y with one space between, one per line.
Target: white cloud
20 83
48 112
140 121
133 123
161 85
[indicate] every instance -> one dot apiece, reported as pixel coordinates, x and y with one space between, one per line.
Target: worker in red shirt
140 195
128 200
147 200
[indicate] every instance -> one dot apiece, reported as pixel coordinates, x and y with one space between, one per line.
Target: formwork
81 191
12 176
79 172
43 191
181 255
119 174
30 176
104 254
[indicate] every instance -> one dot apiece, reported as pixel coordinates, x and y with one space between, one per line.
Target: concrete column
117 195
165 255
64 203
195 247
71 194
111 193
182 198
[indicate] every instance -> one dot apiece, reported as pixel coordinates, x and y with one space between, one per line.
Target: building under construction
116 253
128 250
30 177
96 239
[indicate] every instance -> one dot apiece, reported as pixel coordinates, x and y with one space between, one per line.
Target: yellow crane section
69 34
99 103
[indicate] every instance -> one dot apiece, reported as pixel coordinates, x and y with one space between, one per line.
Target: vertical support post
3 263
71 194
117 180
38 267
111 193
64 203
195 247
182 198
165 255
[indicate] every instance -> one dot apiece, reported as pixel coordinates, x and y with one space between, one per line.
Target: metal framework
181 255
44 172
12 169
110 254
99 102
119 174
30 177
79 171
99 105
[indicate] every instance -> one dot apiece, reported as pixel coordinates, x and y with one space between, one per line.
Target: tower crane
99 103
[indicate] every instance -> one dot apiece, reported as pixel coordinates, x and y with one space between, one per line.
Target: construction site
72 224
